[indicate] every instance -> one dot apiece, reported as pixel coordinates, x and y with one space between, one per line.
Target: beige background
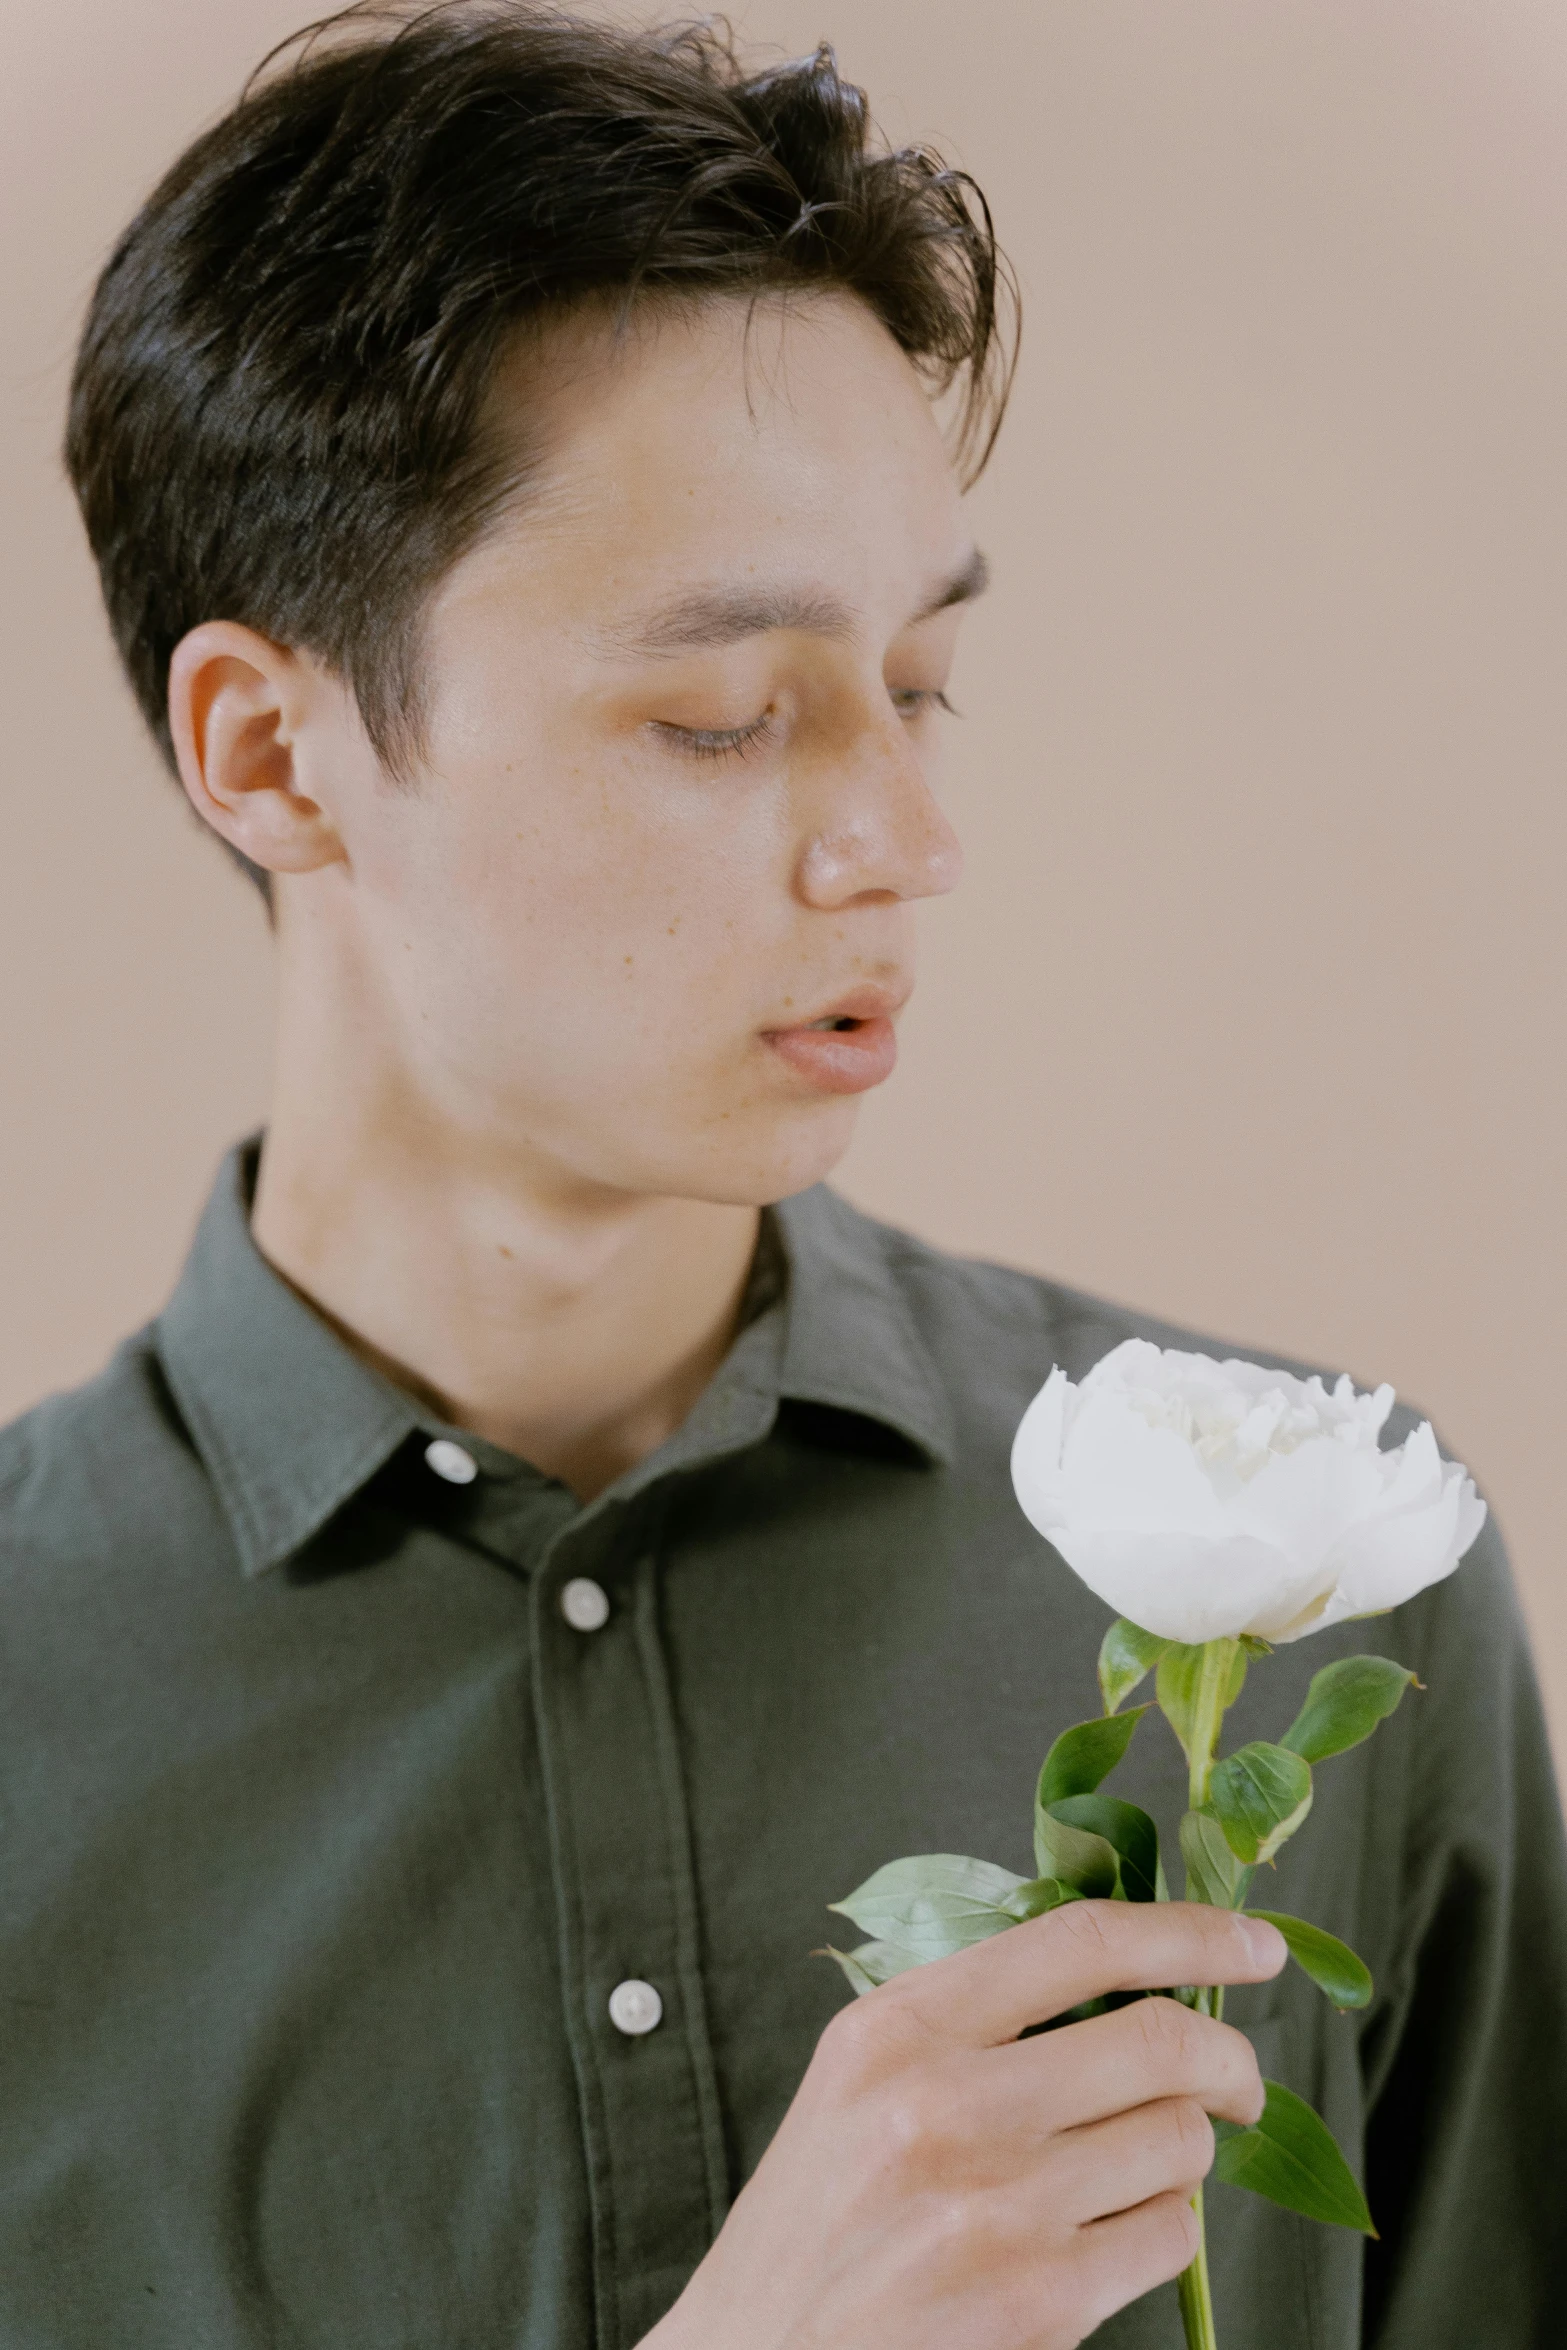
1250 1008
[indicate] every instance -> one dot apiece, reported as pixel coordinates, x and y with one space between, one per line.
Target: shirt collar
290 1423
852 1340
287 1420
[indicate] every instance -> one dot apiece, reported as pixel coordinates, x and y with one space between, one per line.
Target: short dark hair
277 407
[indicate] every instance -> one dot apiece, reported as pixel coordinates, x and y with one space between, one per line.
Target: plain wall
1249 1010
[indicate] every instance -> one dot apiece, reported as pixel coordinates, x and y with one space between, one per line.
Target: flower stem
1213 1688
1193 2292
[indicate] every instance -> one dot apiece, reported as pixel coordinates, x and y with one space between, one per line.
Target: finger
1160 2149
1155 2048
1124 2257
987 1995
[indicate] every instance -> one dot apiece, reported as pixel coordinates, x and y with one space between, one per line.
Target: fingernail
1265 1942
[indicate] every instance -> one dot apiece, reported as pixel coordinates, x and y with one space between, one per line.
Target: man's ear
237 706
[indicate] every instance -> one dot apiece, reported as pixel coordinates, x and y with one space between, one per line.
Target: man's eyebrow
970 579
707 618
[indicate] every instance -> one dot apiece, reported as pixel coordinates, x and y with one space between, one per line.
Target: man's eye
911 701
733 742
723 742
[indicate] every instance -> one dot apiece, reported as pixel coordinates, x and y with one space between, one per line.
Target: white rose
1202 1500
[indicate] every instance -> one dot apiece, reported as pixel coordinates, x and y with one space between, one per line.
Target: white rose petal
1203 1499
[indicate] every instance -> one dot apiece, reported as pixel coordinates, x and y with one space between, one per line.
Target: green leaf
1260 1795
872 1964
1127 1655
1330 1963
1213 1874
1035 1898
1078 1857
1180 1672
1129 1832
1180 1681
916 1908
933 1903
1291 2158
1344 1704
1085 1754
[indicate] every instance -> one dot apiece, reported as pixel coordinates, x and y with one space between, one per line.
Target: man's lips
848 1048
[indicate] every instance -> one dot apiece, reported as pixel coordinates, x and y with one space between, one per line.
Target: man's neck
575 1328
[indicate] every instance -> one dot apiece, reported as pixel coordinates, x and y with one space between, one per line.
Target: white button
585 1606
448 1460
635 2008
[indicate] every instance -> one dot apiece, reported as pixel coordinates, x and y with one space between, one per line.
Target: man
549 1547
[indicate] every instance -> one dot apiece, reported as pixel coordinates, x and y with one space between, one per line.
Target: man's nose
882 831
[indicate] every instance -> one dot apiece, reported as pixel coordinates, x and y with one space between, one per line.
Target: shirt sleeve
1466 2068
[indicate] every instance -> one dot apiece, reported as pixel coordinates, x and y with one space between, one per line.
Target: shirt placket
628 1915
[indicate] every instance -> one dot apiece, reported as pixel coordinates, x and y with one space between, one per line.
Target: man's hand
939 2181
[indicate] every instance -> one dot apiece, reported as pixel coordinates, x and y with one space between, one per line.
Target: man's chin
776 1155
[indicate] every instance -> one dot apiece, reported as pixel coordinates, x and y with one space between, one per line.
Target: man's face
673 808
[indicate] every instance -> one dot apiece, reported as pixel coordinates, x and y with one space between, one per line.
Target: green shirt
326 1834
